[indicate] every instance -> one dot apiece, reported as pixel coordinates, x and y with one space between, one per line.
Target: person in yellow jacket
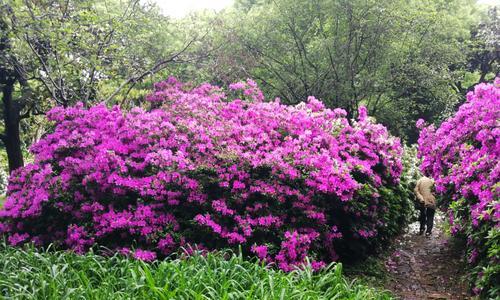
427 201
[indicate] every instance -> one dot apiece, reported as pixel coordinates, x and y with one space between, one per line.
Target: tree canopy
403 60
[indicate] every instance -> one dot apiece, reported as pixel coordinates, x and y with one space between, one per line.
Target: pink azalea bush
463 156
209 169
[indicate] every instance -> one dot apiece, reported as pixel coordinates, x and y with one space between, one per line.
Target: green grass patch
29 274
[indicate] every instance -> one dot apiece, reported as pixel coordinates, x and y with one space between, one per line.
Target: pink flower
144 255
260 251
362 113
206 168
463 155
420 123
17 238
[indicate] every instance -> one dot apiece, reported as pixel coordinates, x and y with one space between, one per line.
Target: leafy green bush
28 274
411 165
411 173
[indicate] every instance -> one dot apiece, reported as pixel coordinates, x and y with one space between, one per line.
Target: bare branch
46 70
154 69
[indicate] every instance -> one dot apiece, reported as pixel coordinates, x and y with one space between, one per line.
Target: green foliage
404 60
57 52
371 270
487 271
481 50
411 170
27 274
401 59
402 197
400 210
85 50
490 274
4 175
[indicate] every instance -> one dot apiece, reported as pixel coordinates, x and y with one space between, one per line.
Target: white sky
180 8
489 2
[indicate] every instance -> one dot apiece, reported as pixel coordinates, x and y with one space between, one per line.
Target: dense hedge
211 170
463 155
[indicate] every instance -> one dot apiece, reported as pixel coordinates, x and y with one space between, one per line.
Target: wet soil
422 267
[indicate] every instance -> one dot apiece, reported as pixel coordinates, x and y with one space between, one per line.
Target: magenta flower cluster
208 168
463 156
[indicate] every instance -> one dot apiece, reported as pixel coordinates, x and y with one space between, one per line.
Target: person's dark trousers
426 218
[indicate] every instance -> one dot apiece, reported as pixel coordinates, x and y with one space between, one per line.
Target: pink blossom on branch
463 156
205 169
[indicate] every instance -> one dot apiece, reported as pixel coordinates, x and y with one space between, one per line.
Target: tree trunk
12 136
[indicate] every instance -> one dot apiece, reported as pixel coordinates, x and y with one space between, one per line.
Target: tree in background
321 48
483 54
401 59
57 52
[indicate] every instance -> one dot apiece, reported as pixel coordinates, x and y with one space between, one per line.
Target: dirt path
426 267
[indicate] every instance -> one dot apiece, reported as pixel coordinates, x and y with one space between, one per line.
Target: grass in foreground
28 274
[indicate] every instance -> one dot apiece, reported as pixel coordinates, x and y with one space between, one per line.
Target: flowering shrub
210 169
463 156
